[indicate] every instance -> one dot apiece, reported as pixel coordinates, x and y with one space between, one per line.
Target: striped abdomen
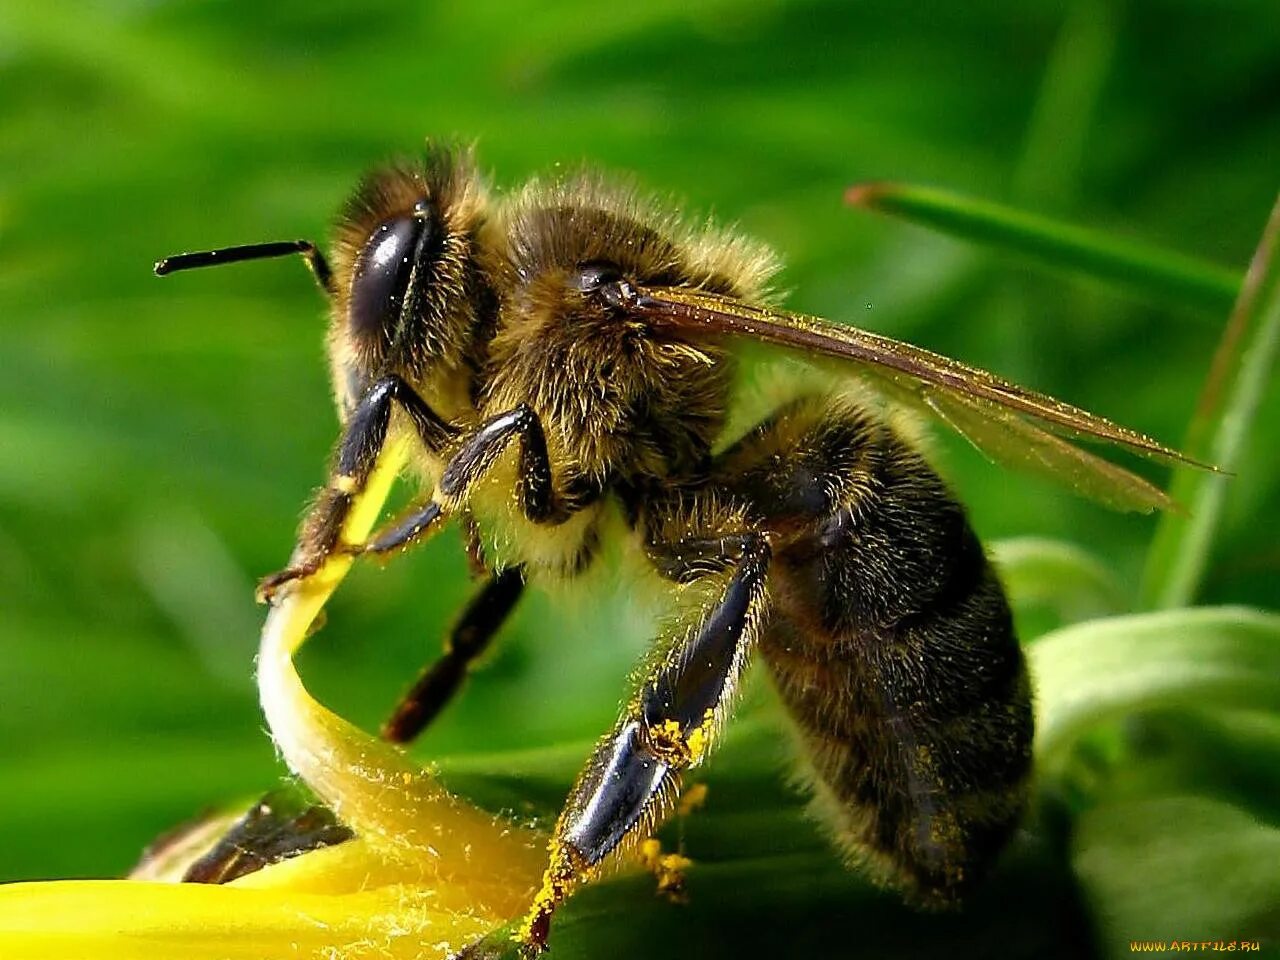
891 644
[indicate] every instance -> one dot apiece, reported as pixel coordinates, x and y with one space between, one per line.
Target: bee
565 354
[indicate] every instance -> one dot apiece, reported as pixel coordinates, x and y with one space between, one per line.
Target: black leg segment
478 453
469 639
405 530
669 727
683 697
367 429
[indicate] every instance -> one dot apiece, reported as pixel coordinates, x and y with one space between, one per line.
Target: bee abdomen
892 645
925 786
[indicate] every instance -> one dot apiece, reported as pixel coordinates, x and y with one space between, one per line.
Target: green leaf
809 905
1062 578
1178 868
758 854
1150 271
1224 417
1227 755
1104 669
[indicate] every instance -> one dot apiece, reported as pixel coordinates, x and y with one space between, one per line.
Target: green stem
1138 266
1237 378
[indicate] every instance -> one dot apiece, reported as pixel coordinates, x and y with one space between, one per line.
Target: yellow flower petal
501 889
375 789
136 920
426 874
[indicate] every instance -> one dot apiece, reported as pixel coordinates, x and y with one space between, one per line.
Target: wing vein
947 388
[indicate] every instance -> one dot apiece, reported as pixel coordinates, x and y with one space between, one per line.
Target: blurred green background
159 438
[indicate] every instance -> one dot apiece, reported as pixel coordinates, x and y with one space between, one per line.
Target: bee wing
1009 423
1010 440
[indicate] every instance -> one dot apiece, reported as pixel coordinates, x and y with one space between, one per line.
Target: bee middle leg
487 611
470 461
469 638
668 727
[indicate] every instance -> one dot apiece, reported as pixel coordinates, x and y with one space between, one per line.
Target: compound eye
590 277
382 271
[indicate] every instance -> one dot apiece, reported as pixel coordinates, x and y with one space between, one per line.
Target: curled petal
426 874
137 920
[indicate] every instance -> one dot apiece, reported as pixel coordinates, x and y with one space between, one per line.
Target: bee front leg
362 441
668 727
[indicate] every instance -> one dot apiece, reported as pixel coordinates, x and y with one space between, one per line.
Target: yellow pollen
693 799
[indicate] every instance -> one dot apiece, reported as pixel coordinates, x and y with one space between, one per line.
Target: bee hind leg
669 726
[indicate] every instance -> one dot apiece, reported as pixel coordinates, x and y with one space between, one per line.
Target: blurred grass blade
1102 669
1161 274
1228 404
1074 77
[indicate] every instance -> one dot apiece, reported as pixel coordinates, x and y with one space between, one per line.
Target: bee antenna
251 251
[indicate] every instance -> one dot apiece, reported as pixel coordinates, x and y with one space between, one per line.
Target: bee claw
269 587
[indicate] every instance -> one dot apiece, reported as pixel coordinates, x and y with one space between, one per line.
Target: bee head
411 293
410 281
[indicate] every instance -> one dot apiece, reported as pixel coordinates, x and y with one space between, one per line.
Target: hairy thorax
621 404
616 401
616 404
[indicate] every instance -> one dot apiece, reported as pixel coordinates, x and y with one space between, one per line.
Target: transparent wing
1012 425
1011 441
